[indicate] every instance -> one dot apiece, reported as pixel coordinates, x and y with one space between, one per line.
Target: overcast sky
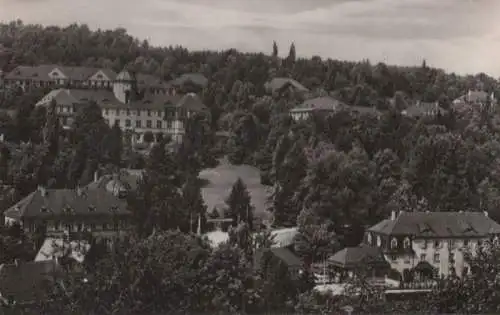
458 35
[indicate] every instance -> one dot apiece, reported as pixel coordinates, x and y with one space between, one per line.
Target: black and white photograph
241 157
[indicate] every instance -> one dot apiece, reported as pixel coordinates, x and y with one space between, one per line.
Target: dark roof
57 201
106 99
41 72
196 78
277 84
320 103
191 101
354 256
282 253
438 224
364 109
27 282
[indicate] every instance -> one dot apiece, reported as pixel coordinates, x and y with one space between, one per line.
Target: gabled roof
438 224
283 254
107 99
196 78
355 256
27 282
56 202
116 183
41 72
191 101
280 83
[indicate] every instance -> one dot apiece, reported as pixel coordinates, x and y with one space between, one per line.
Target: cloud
459 35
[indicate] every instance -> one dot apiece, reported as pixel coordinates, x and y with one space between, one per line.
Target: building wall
438 257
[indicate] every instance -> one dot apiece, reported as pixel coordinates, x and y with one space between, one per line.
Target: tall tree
239 206
193 204
275 49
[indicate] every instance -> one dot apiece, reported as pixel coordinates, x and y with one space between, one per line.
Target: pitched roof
353 256
41 72
106 99
191 101
284 254
438 224
58 201
279 83
27 282
196 78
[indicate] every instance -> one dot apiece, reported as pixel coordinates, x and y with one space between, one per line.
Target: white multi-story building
137 103
438 239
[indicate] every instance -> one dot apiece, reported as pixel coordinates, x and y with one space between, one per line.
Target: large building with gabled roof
60 212
438 239
138 103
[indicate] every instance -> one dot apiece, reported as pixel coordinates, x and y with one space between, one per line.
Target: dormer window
99 76
43 209
394 243
92 208
68 210
55 74
407 242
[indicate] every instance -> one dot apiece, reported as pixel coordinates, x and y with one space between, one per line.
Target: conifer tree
275 49
193 205
239 207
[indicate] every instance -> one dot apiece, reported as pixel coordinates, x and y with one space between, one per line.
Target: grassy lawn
221 179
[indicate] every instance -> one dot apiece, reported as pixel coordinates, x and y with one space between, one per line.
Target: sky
457 35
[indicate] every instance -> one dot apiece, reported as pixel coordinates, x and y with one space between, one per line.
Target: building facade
440 239
138 104
320 105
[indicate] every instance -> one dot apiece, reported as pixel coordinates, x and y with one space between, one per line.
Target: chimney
42 190
393 215
485 213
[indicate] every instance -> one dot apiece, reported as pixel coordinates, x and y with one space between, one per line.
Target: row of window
79 227
138 123
129 112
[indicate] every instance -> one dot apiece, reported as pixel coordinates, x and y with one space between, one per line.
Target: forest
330 176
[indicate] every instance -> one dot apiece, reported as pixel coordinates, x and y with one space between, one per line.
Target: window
106 111
68 227
137 124
104 226
99 76
92 226
169 124
394 243
117 112
424 244
117 122
56 225
149 112
407 242
128 112
79 227
158 124
423 257
436 258
149 124
451 244
436 244
127 123
158 113
466 243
